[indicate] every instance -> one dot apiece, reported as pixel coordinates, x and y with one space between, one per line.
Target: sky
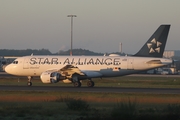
100 25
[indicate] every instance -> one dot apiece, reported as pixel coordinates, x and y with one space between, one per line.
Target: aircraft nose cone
12 69
8 69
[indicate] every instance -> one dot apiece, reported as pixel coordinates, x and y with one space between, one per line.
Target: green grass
53 104
110 105
60 109
33 96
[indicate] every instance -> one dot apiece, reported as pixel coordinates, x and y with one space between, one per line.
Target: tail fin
154 47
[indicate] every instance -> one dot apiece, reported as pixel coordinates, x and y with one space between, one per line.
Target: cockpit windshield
15 62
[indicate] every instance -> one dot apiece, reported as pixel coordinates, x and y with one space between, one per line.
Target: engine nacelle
51 77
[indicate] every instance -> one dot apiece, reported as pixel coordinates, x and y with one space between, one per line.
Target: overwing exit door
130 64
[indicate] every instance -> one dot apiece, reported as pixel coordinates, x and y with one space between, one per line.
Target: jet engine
51 77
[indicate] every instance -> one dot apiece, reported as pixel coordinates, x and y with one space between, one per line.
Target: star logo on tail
154 46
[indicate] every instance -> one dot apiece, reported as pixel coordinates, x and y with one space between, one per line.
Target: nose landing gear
29 83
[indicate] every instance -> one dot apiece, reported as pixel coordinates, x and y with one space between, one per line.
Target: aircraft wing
69 74
64 74
68 70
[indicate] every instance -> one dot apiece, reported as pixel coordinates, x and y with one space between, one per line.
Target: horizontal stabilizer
154 62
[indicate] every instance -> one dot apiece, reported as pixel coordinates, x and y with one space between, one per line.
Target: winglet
155 46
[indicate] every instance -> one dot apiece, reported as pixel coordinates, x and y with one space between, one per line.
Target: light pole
120 47
71 31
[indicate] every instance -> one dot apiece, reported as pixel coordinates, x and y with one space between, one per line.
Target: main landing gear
90 83
77 82
29 83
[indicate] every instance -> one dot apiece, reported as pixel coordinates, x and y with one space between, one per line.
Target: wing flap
68 70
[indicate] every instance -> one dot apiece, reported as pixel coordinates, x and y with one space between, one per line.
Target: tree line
12 52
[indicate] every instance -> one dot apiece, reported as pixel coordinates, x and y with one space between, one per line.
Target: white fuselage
106 66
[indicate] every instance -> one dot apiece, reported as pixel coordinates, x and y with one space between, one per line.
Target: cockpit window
15 62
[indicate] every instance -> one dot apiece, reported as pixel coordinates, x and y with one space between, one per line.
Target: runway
94 89
4 74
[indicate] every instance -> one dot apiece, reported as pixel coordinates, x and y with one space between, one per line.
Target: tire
77 84
29 84
90 84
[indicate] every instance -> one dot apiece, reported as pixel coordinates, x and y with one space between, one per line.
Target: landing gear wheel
77 84
29 83
90 84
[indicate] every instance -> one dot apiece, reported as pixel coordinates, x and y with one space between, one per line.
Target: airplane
73 69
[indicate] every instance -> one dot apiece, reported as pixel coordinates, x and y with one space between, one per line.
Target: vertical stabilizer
155 46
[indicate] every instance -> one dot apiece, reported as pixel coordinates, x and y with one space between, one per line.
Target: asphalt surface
94 89
87 89
4 74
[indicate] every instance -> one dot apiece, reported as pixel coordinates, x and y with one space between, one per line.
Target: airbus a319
73 69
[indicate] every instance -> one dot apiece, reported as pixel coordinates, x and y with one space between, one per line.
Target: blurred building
171 53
